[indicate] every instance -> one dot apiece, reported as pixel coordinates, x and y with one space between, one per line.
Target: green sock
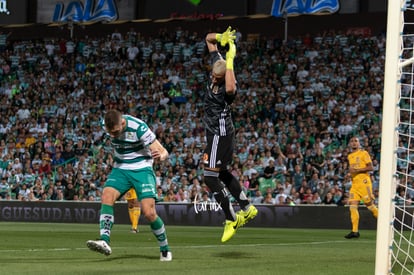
106 221
159 232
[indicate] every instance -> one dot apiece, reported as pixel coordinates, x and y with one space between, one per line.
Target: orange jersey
361 183
359 159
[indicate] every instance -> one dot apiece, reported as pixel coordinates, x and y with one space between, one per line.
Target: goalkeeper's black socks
234 187
221 195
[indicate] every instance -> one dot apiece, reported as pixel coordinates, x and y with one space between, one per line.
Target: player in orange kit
134 209
360 165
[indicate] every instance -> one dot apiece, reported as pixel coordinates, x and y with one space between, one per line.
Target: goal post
393 254
388 140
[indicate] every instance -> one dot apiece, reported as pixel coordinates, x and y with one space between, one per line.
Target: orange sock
354 217
134 214
374 210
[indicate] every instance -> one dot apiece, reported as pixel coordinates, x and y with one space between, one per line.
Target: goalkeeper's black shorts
219 151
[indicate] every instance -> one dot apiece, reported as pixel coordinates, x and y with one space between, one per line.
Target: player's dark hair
112 118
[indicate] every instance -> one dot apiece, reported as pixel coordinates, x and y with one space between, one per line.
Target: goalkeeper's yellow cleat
249 214
230 228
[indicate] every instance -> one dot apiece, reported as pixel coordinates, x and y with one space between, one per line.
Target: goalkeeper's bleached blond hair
219 68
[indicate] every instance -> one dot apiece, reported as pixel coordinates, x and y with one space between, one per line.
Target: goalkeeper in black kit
220 133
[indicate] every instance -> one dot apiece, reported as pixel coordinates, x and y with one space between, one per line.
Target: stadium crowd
298 104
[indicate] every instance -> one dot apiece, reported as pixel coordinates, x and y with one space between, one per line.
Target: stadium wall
328 217
267 26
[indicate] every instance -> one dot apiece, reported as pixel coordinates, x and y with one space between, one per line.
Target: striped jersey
131 147
217 111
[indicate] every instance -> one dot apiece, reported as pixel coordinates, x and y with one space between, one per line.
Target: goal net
395 228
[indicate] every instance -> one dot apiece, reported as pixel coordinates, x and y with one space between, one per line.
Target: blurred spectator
268 199
24 193
4 188
267 181
257 198
328 199
45 167
280 197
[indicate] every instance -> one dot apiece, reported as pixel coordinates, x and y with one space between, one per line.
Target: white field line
173 247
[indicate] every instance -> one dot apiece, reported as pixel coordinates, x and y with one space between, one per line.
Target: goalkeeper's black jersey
217 110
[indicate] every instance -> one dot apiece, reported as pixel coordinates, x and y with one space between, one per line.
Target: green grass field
46 248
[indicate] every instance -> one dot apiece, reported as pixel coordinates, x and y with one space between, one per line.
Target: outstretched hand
228 36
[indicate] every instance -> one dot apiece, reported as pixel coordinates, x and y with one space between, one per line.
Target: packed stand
298 104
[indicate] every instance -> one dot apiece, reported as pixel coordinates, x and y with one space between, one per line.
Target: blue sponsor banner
87 11
298 7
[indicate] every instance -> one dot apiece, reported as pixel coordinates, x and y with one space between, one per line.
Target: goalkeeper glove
230 55
226 37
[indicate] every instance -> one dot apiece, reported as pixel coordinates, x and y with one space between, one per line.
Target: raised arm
211 42
226 38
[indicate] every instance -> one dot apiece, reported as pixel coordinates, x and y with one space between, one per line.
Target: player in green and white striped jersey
135 148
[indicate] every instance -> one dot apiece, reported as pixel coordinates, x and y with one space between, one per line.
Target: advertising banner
192 214
294 7
84 11
13 12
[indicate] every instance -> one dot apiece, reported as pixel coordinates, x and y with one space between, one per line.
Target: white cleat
165 256
99 246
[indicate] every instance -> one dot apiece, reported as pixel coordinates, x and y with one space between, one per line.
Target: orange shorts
131 194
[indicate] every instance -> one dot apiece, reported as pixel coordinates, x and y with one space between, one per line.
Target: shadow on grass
99 258
133 256
233 255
